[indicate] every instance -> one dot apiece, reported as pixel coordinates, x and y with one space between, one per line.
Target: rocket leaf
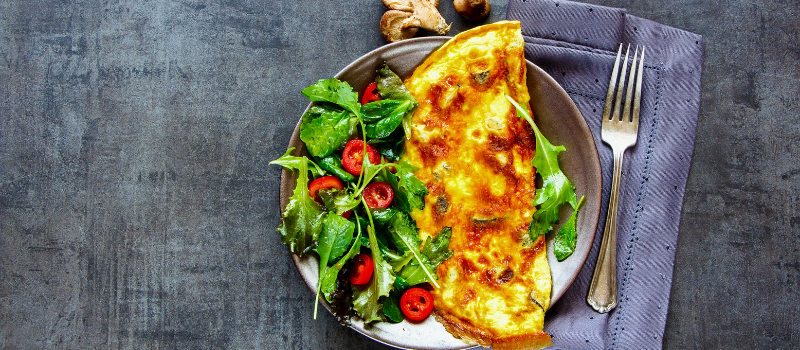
566 237
556 189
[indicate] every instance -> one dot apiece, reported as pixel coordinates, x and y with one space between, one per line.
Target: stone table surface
138 209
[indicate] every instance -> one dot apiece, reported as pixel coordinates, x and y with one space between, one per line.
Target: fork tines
631 111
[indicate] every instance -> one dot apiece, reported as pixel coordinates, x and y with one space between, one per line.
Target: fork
620 134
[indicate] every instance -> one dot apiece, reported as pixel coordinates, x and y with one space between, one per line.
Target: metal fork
620 134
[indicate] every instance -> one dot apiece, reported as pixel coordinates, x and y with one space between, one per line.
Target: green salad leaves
326 228
556 190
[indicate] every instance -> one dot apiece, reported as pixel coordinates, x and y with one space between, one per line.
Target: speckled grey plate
559 120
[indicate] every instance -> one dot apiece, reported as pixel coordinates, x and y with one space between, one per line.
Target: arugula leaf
405 235
409 191
434 252
366 300
327 281
437 249
326 128
556 189
337 232
293 162
335 91
567 236
302 219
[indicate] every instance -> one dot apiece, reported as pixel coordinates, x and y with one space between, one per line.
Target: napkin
576 44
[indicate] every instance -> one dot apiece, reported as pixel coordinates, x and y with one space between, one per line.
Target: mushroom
405 17
472 10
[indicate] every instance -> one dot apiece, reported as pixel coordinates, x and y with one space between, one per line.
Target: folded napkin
576 43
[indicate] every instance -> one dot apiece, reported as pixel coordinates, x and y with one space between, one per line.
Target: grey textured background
137 209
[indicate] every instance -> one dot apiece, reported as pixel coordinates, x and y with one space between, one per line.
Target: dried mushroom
405 17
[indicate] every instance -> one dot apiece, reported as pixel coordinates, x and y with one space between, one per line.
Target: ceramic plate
559 120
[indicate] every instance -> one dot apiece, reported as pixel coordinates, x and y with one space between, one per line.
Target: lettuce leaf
366 299
302 219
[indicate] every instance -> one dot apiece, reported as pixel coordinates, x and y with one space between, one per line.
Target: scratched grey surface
137 209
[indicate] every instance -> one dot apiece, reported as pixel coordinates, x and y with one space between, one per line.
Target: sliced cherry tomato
323 183
370 94
378 195
416 304
353 156
362 269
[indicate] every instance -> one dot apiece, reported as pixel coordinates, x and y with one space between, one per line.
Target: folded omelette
475 157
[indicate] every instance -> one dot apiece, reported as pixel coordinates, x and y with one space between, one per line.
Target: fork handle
603 289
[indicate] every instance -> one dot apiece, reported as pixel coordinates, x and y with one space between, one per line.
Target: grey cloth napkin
576 43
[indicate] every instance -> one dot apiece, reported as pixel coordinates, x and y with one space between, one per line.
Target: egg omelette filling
475 157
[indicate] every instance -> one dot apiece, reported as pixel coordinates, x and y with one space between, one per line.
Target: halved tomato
353 156
378 195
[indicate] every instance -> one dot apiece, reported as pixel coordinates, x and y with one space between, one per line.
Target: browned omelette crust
475 157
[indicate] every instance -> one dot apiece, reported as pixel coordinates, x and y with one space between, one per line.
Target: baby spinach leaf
567 236
335 238
333 164
335 91
324 130
337 232
391 309
383 117
391 87
327 281
377 110
556 189
302 219
392 146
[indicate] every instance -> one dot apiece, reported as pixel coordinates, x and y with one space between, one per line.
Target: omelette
475 159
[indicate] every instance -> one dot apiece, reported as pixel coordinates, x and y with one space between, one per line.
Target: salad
352 201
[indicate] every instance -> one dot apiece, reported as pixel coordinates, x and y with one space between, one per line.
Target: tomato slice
370 94
378 195
362 269
416 304
353 156
323 183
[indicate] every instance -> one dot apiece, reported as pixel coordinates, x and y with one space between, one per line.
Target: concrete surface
137 209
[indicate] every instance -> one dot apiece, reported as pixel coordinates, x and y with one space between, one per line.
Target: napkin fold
576 44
